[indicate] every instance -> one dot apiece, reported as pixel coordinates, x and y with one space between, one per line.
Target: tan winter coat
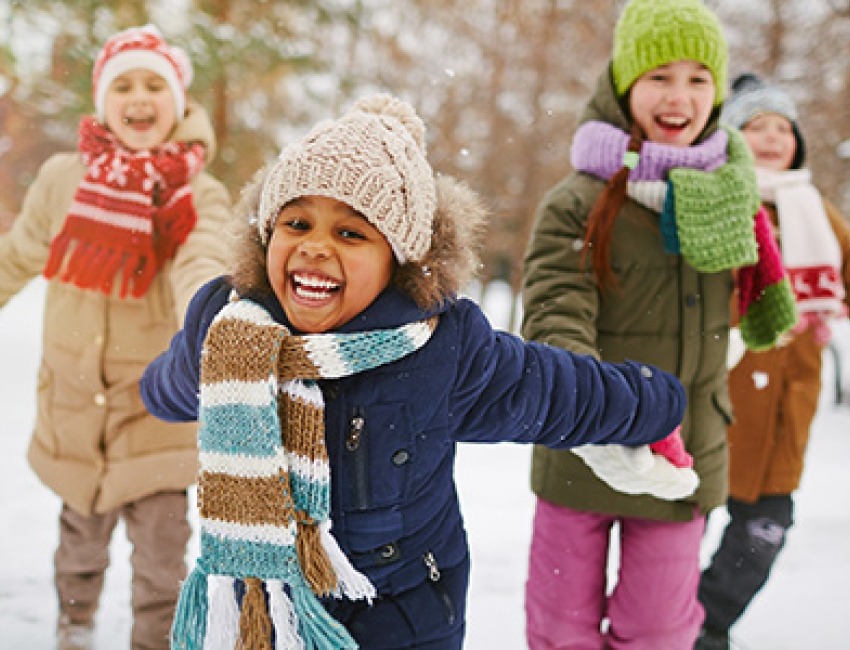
768 439
94 444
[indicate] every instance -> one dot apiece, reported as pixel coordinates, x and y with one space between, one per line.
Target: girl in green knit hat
638 254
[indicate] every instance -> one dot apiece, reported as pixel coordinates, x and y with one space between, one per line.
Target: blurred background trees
500 83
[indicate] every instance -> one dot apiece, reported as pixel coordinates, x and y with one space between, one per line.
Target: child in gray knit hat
768 438
338 367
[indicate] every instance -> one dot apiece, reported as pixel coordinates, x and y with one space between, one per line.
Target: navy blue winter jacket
393 497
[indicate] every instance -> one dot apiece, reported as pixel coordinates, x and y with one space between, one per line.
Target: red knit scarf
129 215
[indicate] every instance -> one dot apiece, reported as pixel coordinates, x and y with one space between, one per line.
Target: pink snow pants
653 605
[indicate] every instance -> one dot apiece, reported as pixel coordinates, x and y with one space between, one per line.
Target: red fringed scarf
129 215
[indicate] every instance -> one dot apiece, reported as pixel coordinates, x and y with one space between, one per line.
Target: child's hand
636 470
673 449
818 323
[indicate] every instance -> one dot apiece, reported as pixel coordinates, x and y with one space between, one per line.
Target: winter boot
712 640
74 636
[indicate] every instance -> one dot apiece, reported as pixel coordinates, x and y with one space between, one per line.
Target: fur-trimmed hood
449 265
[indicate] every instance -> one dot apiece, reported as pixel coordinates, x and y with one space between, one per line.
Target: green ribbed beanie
650 33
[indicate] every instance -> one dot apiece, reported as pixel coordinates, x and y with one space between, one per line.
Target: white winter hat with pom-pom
373 158
141 47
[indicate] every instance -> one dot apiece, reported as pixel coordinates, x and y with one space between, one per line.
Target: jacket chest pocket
376 455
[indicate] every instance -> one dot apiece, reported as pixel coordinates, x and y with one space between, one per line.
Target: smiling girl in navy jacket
337 369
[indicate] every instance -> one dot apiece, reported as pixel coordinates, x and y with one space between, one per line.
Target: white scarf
810 248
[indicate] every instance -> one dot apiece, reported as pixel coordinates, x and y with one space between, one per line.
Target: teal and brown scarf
264 483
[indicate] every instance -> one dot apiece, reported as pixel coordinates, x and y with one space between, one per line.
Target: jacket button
401 457
691 300
388 552
100 399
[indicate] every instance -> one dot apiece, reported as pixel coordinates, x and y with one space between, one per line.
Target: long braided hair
603 214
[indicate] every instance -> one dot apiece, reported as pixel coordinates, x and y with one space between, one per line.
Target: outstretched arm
171 382
508 389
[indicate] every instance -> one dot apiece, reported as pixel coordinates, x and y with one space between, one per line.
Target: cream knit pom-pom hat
373 158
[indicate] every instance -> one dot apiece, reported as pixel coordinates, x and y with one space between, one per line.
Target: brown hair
603 214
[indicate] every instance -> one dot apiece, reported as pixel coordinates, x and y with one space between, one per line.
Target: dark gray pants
743 560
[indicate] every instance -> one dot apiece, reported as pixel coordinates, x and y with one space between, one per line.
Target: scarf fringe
207 617
350 582
255 625
223 615
318 629
284 617
299 620
313 559
95 265
190 618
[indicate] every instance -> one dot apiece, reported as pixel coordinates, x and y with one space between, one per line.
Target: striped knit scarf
810 248
264 483
129 215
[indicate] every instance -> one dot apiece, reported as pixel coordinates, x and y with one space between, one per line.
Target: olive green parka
662 312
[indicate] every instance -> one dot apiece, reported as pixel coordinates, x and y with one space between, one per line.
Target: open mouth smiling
672 122
314 287
137 121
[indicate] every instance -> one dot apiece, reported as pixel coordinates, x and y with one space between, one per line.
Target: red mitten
673 449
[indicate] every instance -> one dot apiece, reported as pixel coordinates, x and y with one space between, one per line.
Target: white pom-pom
384 104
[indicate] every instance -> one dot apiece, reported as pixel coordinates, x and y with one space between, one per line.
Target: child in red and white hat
125 229
141 48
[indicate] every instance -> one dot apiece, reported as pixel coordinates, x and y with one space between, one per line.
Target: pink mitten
816 322
673 449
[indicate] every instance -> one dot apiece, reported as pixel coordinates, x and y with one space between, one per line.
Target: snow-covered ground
804 607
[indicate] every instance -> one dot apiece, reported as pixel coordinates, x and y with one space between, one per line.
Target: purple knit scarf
598 149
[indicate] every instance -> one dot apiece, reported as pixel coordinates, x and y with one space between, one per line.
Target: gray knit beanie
753 96
373 158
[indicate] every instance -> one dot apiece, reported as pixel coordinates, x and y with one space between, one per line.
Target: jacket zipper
434 576
356 445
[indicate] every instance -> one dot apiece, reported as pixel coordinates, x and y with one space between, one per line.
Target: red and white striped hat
141 47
